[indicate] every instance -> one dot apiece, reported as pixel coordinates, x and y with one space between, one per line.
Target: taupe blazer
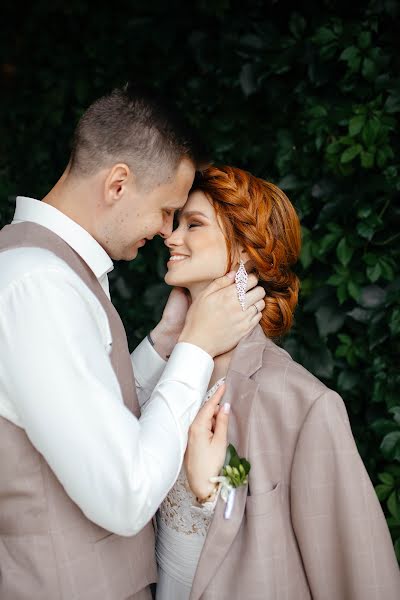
309 524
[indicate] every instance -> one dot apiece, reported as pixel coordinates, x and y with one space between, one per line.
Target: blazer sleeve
340 528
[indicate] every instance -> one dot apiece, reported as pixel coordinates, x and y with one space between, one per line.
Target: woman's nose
173 239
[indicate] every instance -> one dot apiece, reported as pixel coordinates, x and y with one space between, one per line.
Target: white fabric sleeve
147 368
57 371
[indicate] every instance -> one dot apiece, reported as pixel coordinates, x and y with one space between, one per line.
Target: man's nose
172 239
165 231
166 228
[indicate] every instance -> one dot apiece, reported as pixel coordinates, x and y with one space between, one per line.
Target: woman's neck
221 362
221 366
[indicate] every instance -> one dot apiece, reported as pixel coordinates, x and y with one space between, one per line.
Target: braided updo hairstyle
257 215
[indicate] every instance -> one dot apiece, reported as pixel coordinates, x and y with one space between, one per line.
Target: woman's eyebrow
190 213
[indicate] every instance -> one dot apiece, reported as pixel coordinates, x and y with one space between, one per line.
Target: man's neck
71 198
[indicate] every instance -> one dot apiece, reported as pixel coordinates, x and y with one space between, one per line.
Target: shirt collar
41 213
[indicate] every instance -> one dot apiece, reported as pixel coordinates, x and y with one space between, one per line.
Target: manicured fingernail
226 408
231 274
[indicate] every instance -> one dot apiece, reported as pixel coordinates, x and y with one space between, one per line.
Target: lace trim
177 510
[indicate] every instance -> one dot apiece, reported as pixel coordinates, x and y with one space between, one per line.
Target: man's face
140 215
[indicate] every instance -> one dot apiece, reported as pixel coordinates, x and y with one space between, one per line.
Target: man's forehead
175 202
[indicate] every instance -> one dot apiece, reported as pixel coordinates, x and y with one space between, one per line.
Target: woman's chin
174 281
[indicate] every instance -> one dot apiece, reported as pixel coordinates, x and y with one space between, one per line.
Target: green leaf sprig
235 469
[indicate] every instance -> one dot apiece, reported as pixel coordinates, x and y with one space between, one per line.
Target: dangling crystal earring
241 278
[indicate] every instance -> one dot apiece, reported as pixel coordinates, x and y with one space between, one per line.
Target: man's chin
128 255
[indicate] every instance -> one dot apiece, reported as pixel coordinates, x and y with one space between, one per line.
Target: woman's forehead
198 200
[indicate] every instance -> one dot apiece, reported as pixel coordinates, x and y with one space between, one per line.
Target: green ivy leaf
348 380
383 426
306 256
374 272
395 411
329 320
397 548
383 491
386 478
391 445
350 153
394 322
356 124
341 293
350 54
365 230
367 159
334 148
368 69
344 252
354 290
364 39
393 505
324 36
371 131
392 104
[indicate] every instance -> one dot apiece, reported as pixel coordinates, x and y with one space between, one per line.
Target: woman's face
197 246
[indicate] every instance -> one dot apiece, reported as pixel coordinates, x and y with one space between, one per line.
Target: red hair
258 216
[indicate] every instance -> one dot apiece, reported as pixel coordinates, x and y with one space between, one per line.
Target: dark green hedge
308 98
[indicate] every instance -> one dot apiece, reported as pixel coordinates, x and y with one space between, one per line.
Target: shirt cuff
148 365
192 366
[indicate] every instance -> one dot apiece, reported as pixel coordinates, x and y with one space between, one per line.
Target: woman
308 524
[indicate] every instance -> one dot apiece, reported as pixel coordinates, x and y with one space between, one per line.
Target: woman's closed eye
193 224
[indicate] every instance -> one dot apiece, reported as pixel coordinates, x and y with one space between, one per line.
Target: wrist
164 339
197 340
206 494
164 329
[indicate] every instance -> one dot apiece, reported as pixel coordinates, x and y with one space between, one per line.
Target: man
82 469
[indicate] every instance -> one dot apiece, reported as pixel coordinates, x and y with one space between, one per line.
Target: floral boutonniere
234 474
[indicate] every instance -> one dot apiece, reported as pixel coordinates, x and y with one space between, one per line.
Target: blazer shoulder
281 374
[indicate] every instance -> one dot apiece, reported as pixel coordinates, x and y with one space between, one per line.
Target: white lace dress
181 531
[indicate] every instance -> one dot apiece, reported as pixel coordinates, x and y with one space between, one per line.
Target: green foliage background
308 98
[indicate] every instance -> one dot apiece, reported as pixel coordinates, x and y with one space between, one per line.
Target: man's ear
116 183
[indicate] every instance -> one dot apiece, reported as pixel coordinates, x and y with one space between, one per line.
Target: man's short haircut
136 128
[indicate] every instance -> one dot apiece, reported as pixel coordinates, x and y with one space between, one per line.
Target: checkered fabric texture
309 525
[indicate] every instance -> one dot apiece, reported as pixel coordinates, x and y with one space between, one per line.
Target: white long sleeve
148 367
56 382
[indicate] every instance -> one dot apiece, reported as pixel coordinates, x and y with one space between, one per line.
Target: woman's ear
241 254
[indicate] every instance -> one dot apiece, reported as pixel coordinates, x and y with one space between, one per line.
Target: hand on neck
222 361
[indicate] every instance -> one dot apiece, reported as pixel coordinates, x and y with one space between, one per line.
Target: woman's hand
207 443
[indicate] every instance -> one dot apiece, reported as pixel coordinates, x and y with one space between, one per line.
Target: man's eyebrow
189 213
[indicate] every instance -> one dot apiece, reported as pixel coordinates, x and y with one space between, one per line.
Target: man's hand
207 443
166 333
216 322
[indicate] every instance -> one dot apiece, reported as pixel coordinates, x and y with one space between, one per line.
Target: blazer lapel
240 392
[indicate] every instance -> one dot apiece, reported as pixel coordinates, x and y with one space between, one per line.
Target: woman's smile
176 258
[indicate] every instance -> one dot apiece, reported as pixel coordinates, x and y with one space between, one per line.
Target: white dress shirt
57 382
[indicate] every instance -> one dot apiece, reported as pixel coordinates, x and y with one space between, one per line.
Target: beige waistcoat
49 550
